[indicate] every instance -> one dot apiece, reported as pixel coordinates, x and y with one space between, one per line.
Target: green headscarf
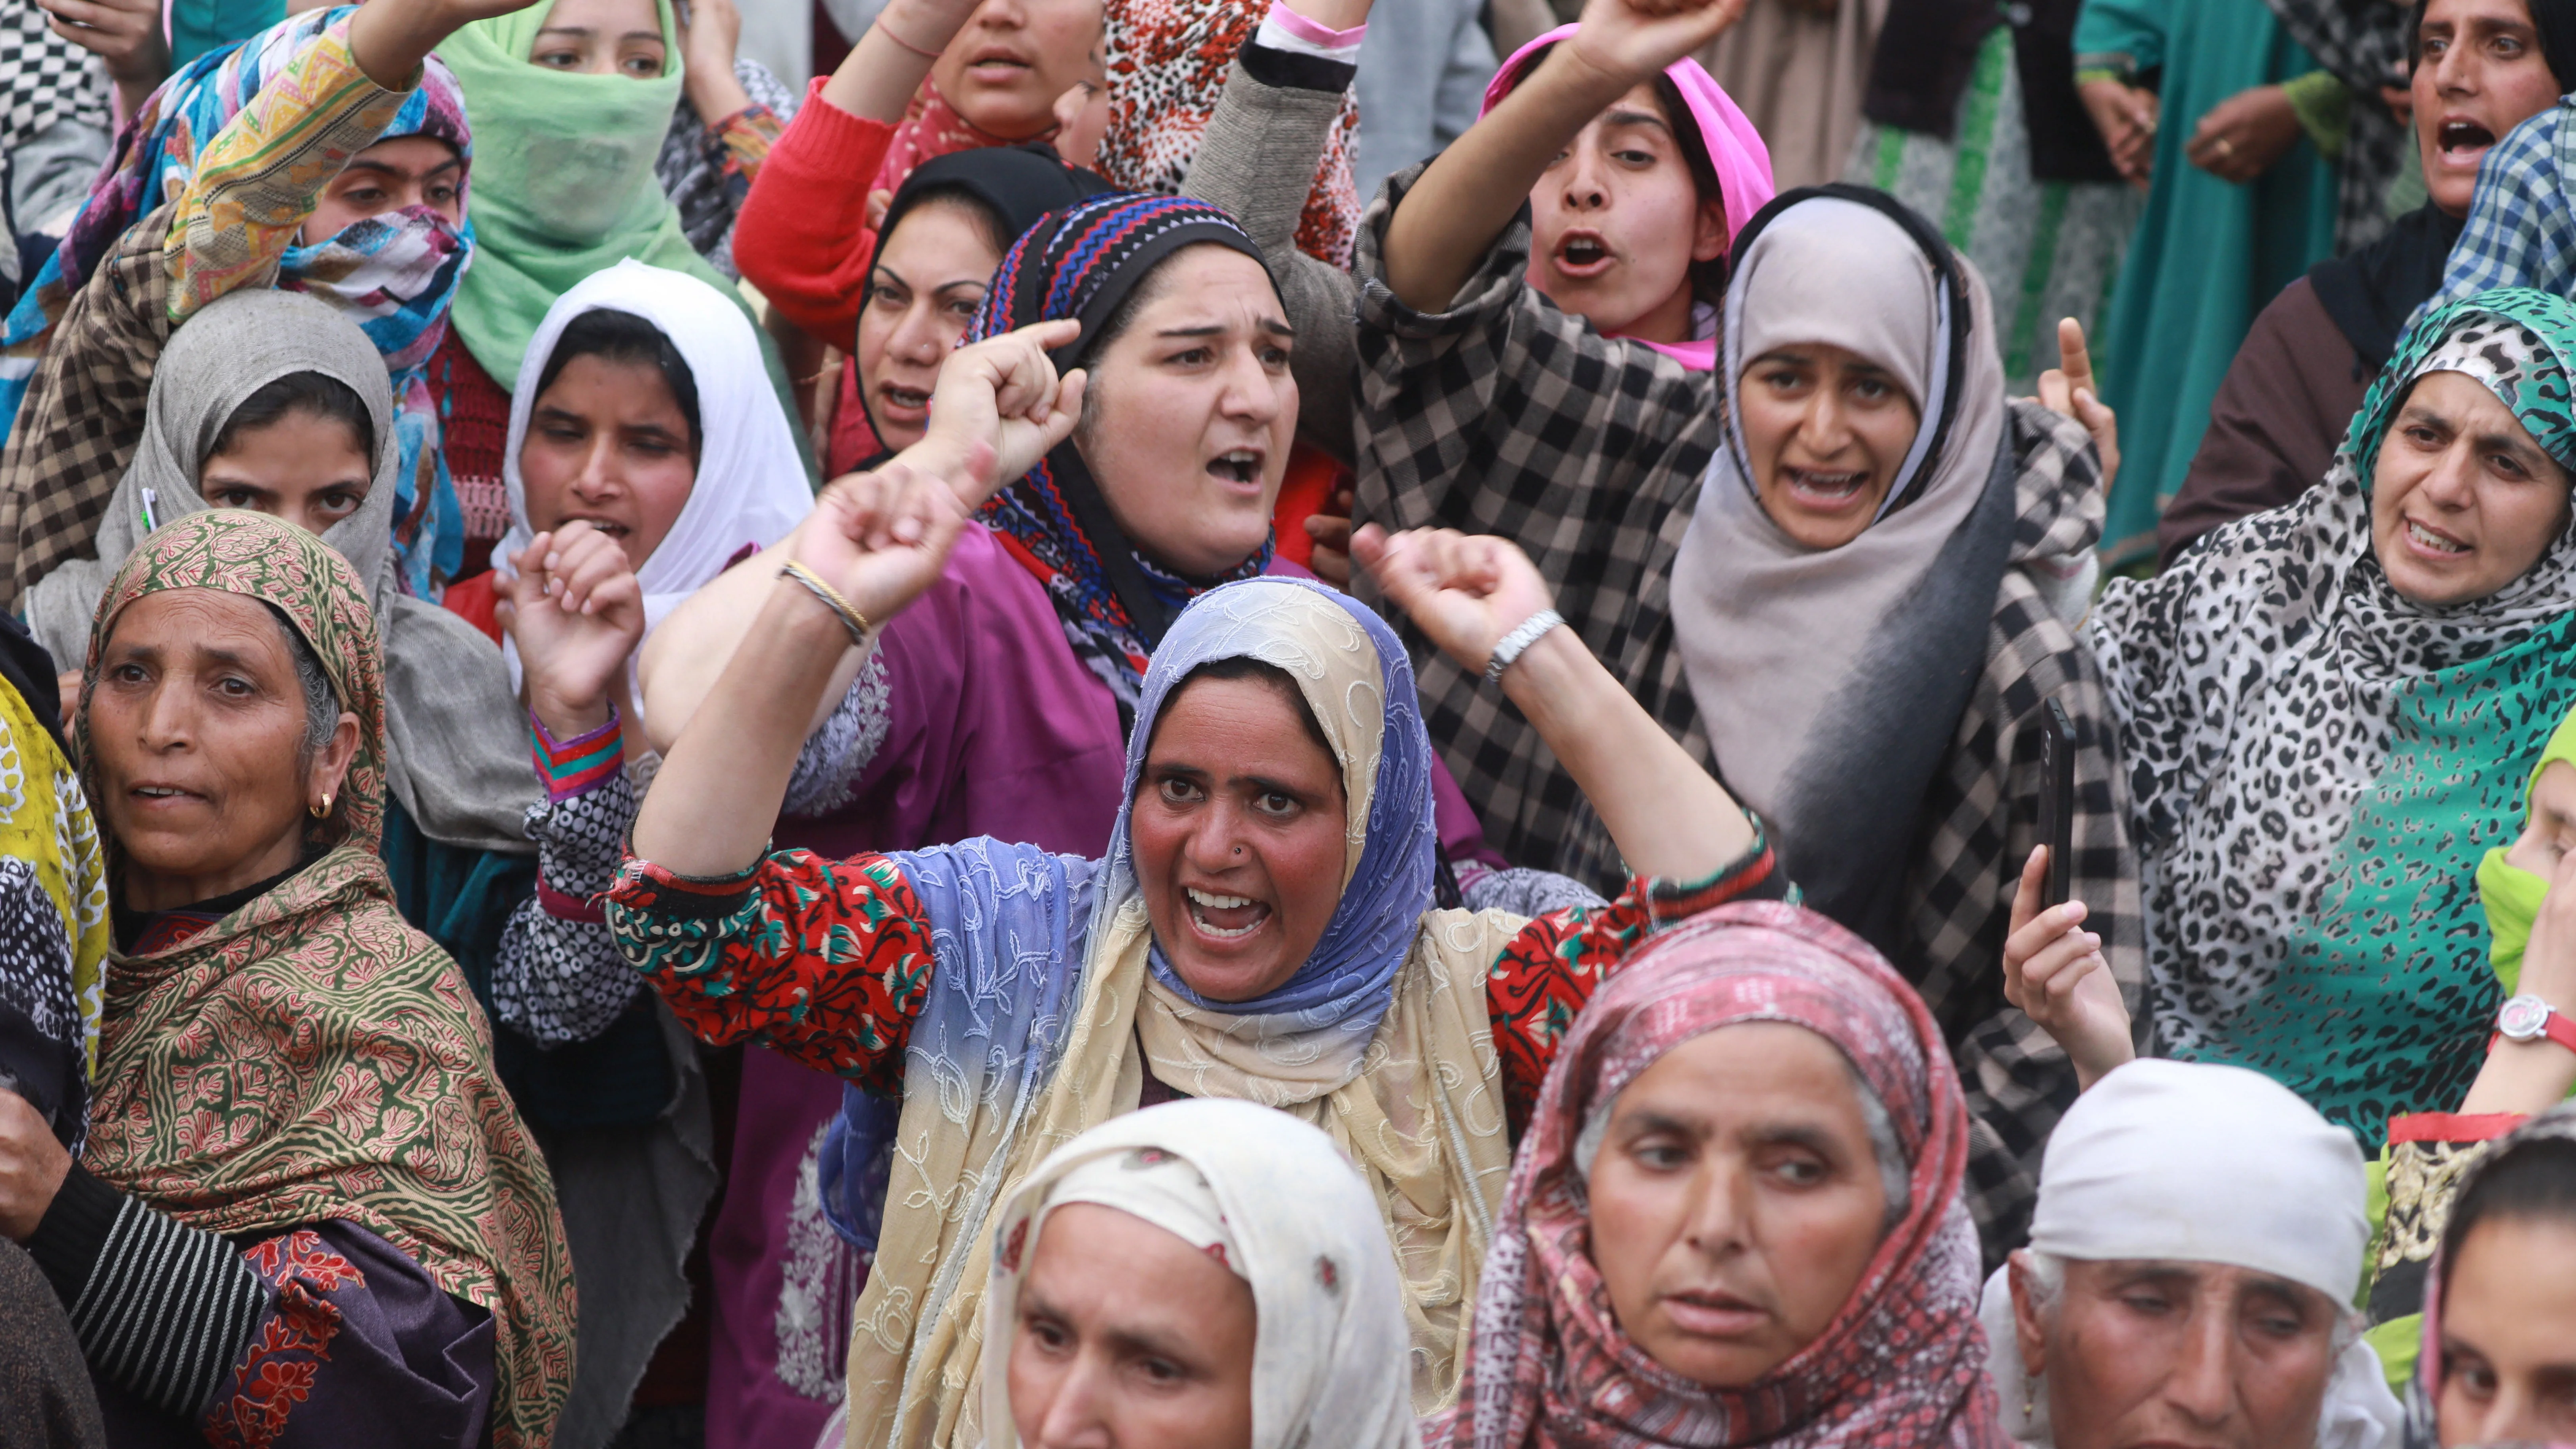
563 181
2511 894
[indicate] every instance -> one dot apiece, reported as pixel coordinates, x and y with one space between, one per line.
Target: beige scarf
1419 1110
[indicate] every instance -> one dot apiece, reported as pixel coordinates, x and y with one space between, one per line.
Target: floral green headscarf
311 1057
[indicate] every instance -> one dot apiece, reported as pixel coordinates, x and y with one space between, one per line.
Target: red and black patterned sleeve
825 961
1549 971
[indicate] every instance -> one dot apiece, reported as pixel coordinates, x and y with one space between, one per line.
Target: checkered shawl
2522 223
1902 1364
1507 416
83 417
2364 45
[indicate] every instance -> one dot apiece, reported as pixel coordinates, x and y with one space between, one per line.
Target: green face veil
2511 894
563 180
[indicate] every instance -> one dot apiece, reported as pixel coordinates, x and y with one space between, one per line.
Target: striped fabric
2050 249
167 1310
578 765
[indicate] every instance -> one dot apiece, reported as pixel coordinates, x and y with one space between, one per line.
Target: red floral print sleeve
825 961
1543 978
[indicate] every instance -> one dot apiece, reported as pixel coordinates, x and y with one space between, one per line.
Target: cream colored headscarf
1416 1104
1270 1198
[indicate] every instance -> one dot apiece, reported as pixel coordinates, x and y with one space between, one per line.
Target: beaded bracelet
851 618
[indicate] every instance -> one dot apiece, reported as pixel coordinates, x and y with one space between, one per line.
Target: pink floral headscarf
1903 1363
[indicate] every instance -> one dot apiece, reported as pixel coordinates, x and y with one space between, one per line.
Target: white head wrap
750 487
2185 1162
1275 1201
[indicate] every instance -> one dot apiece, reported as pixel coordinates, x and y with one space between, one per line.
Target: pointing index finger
2073 356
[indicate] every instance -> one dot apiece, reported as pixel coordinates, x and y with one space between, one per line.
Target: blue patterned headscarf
1345 986
1084 262
992 1025
394 274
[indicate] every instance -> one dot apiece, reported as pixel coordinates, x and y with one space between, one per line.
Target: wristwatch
2528 1018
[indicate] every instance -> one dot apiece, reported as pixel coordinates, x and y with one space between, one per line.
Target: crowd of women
981 758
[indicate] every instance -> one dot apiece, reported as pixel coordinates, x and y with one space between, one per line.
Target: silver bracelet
1517 643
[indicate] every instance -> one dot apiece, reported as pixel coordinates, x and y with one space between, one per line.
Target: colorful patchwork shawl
393 274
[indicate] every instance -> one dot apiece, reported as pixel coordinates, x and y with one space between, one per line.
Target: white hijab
1275 1201
2194 1163
751 486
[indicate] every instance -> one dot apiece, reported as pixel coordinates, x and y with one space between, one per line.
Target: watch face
2523 1017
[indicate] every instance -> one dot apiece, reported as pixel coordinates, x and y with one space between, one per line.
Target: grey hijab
1831 681
457 756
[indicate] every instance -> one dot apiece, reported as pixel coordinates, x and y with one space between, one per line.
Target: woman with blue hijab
1261 927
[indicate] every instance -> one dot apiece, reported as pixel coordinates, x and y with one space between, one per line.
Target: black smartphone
2056 798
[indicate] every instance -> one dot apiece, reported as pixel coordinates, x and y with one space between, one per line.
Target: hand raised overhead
1635 39
390 38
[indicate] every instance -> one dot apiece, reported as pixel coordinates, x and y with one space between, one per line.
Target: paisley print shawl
2317 763
311 1057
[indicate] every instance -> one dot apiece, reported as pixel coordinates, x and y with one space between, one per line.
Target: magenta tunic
996 729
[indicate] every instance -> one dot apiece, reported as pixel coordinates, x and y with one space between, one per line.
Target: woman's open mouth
1225 918
1238 466
2463 143
908 403
1583 254
1826 490
2432 543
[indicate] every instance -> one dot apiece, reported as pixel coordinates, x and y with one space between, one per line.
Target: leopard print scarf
2317 763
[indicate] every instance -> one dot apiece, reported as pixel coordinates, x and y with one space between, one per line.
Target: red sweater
803 237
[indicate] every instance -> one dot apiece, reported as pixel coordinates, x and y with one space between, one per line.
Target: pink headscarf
1735 151
1903 1363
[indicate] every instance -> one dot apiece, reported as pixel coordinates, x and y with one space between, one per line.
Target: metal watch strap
1516 643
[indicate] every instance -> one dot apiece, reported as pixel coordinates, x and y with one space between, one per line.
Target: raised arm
1668 816
1471 191
1263 142
261 176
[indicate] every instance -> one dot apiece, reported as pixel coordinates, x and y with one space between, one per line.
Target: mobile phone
2056 798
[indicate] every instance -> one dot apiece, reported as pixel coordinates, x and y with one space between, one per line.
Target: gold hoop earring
323 809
